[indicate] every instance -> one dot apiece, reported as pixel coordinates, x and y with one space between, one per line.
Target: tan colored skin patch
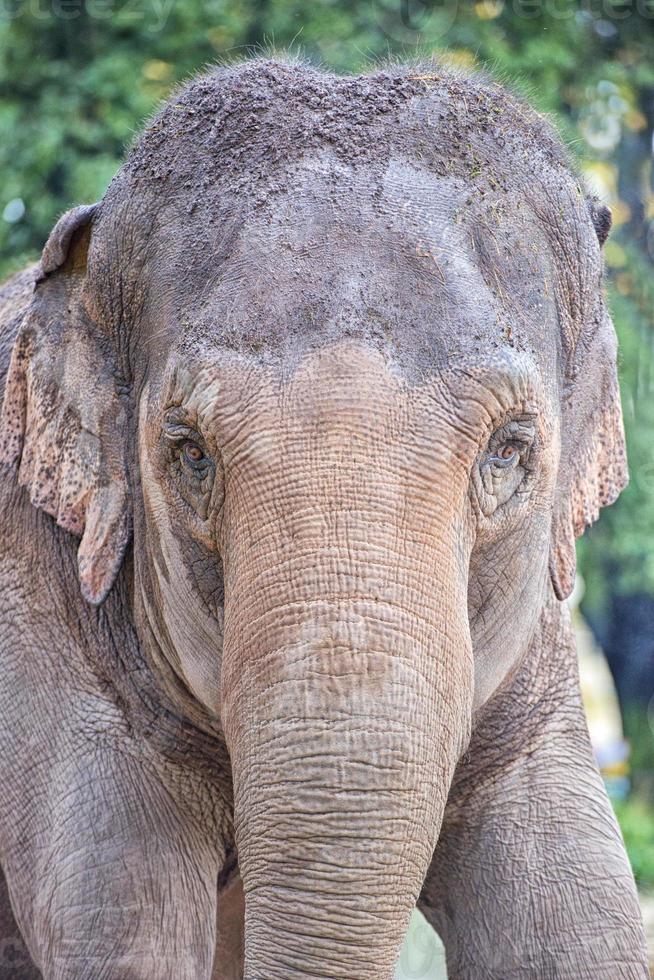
305 458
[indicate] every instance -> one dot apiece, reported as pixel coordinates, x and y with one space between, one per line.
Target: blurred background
78 78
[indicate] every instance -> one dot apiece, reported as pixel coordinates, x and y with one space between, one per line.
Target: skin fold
300 423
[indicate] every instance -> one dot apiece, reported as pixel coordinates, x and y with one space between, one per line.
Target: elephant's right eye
193 455
192 469
185 444
191 458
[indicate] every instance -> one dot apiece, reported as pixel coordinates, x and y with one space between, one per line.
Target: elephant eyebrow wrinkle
175 431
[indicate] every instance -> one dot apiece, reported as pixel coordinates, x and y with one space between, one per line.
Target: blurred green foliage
78 77
618 552
637 825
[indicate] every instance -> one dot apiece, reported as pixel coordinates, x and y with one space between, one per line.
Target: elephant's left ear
593 466
62 422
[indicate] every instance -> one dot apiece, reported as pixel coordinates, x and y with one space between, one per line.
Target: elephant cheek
188 629
189 636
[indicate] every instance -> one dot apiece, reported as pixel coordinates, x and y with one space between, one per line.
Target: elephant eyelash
178 432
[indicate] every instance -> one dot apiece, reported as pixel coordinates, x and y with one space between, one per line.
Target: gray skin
326 387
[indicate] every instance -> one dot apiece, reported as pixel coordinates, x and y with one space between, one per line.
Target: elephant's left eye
505 465
506 456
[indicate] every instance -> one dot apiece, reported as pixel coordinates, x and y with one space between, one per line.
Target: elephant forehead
397 256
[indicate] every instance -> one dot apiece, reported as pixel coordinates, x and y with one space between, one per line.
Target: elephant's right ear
63 423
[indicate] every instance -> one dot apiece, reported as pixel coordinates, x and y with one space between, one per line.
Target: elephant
300 423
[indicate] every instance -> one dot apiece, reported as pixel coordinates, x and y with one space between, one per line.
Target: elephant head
332 358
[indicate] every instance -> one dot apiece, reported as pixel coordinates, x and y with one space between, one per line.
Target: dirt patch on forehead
208 186
235 126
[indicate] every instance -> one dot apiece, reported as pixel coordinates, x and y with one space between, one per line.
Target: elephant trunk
348 690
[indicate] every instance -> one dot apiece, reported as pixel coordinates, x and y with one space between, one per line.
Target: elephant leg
530 877
15 960
230 931
120 880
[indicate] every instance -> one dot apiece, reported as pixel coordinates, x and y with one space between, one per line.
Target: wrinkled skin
299 426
